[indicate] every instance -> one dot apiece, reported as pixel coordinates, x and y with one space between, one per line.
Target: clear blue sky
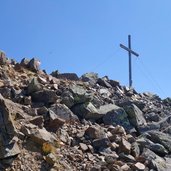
84 35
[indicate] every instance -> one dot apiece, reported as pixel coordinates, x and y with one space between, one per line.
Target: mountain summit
66 123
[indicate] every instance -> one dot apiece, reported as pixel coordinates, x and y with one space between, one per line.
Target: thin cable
151 77
156 82
106 59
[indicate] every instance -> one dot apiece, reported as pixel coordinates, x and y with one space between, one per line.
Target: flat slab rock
8 142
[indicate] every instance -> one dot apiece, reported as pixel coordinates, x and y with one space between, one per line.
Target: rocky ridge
63 122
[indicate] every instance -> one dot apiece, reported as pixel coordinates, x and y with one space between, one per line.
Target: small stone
91 148
27 100
51 159
55 86
101 143
125 146
83 147
139 166
42 80
115 167
37 120
90 156
126 158
118 130
125 167
135 150
95 132
114 146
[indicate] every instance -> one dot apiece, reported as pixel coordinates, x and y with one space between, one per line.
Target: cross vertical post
130 52
130 62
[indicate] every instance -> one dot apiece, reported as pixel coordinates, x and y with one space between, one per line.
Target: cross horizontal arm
129 50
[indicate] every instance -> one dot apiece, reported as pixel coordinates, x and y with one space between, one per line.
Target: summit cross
130 52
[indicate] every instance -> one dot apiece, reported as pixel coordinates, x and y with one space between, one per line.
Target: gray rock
8 143
127 157
83 147
44 96
87 111
68 76
135 116
104 92
6 92
161 138
135 150
55 73
167 130
27 100
42 111
3 59
34 65
154 161
54 122
152 117
149 127
104 82
63 112
24 62
95 132
124 146
67 98
75 95
34 86
111 158
100 144
38 135
37 120
115 116
138 166
155 147
64 137
90 77
114 83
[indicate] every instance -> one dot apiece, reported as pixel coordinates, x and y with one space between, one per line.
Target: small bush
47 148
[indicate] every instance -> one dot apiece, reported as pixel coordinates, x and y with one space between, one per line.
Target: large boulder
44 96
68 76
115 115
144 142
76 94
33 86
104 82
53 121
161 138
63 112
90 77
95 132
37 135
154 161
87 111
135 116
110 114
3 59
34 64
8 143
58 115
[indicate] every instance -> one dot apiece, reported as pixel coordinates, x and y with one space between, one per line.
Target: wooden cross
130 52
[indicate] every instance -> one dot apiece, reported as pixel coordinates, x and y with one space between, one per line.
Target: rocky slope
63 122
